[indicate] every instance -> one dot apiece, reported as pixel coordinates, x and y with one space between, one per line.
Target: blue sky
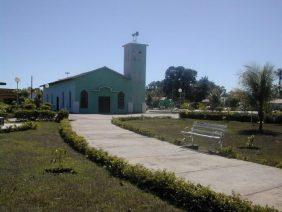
46 38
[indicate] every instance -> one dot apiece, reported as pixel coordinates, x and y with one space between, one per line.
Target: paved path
258 183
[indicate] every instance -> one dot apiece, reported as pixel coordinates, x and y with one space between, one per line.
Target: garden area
25 184
266 146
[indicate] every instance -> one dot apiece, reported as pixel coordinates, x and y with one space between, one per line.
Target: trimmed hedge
25 126
35 115
62 114
162 183
275 118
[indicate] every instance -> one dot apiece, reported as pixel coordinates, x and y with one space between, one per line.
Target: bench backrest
208 129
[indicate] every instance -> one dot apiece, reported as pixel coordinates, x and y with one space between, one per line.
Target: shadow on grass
60 171
257 132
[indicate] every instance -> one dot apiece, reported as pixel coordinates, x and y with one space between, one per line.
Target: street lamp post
180 92
17 80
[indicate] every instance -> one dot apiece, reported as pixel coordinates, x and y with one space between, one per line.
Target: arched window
121 100
84 99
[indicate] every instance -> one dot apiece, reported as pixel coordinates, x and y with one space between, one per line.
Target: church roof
85 73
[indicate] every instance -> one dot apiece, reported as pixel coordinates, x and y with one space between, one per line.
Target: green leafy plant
279 165
227 152
33 115
62 114
58 157
46 106
251 140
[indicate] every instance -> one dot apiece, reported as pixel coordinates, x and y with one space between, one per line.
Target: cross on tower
134 35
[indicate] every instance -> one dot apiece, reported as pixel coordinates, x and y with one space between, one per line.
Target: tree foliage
179 77
154 91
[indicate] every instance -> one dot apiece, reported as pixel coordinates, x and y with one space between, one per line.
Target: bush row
275 118
25 126
162 183
35 115
46 115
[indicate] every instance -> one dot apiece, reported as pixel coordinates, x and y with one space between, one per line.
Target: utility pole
31 85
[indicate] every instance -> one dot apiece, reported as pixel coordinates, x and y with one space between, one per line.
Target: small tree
258 83
215 97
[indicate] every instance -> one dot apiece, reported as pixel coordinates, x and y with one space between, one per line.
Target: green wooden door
104 104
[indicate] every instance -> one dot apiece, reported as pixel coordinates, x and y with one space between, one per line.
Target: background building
8 95
103 90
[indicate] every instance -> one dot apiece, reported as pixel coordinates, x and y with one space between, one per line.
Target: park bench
207 130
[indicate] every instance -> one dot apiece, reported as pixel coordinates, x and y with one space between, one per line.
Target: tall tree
279 75
202 89
258 83
154 91
179 77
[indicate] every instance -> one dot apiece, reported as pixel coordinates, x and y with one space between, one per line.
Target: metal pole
31 84
17 94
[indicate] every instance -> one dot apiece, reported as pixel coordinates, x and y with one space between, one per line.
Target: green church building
103 90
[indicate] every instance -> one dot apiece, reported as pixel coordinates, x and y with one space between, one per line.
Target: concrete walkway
258 183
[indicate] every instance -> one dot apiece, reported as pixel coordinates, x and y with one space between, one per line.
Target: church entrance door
104 104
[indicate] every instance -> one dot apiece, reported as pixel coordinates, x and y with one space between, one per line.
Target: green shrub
62 114
275 118
279 165
251 141
3 113
25 126
227 152
46 115
185 105
26 114
46 106
202 106
3 106
3 109
29 106
166 185
35 115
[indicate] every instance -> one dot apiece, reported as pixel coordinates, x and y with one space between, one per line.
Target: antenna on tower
67 73
134 35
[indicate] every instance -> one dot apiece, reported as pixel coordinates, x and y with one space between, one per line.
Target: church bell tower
135 70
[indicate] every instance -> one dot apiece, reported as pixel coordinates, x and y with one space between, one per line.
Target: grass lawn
25 185
237 134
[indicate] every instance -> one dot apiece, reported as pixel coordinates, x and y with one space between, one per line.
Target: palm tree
258 83
214 98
